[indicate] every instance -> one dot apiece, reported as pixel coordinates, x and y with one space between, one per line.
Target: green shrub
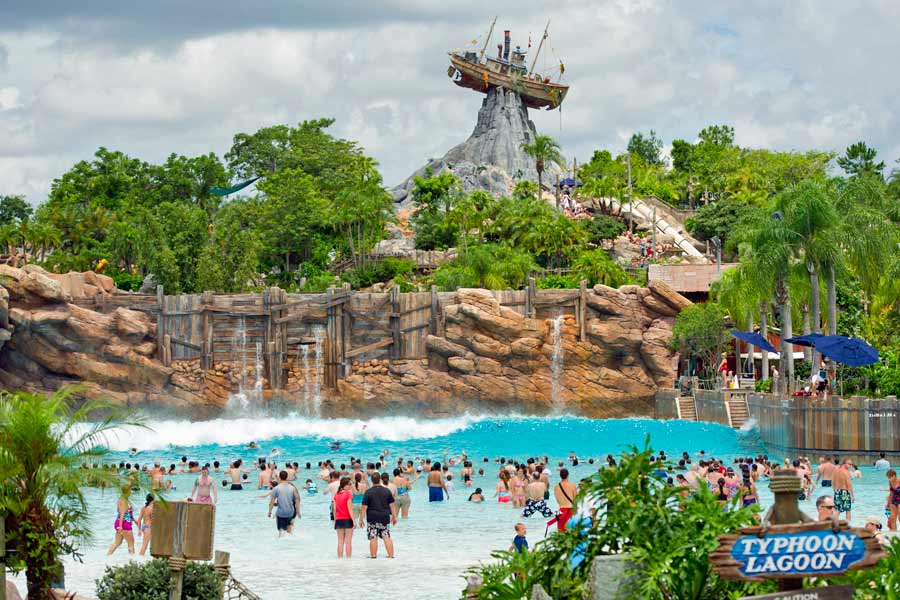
763 385
557 282
126 281
384 270
151 581
603 227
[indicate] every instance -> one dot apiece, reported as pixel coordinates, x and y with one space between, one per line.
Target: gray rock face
492 158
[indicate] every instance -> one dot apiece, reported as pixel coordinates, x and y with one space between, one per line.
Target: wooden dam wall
350 325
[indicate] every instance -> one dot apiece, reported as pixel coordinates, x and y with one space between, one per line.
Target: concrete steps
687 410
738 412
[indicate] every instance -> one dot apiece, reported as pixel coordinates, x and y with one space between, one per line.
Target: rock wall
492 358
49 342
489 358
492 158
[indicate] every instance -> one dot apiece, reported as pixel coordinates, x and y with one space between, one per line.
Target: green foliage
718 219
554 281
383 270
598 267
544 149
682 156
666 532
648 147
603 227
126 281
859 159
14 209
700 331
44 443
491 266
880 582
152 581
436 196
763 385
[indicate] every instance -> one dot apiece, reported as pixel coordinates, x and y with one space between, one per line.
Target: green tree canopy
648 147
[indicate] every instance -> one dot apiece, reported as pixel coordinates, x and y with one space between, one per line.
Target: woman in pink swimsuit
518 485
124 522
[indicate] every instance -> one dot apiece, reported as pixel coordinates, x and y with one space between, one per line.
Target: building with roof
691 281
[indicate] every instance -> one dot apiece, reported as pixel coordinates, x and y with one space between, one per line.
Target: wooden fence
351 325
853 426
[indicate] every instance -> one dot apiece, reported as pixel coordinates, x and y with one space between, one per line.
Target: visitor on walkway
379 512
286 498
124 522
343 518
843 490
565 493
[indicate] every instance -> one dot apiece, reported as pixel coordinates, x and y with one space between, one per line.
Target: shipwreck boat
507 70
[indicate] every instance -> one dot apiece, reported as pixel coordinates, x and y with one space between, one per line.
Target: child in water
520 544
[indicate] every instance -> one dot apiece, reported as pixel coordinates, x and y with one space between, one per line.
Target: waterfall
258 384
239 401
556 365
319 336
307 379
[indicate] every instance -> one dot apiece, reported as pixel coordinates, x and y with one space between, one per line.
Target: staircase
687 410
738 413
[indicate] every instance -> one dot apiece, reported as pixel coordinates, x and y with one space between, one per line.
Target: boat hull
534 93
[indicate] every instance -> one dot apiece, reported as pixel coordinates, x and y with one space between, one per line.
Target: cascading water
239 401
556 365
307 379
256 399
319 336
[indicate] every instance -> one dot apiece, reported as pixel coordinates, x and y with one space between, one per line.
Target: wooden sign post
832 592
790 546
182 531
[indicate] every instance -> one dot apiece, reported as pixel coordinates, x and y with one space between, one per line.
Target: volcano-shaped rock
492 158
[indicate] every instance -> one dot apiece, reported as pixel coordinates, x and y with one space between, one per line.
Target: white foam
240 431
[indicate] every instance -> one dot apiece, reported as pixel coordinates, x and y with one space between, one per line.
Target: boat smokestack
506 45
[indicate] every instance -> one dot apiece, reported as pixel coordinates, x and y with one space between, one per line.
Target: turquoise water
438 542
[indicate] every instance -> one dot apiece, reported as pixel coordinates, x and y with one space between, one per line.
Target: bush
763 385
557 282
127 282
603 227
385 270
151 581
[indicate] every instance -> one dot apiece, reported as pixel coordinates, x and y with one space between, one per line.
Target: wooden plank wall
353 326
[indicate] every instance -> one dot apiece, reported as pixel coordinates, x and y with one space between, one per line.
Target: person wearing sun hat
873 524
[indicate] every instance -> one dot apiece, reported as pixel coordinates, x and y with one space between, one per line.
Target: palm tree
544 149
45 444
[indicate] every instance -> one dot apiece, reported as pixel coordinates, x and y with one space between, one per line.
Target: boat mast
540 45
487 40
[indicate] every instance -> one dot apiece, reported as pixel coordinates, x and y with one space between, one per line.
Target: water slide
642 211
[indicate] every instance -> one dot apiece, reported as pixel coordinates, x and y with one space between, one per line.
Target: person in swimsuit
503 492
237 475
436 486
144 523
892 507
748 493
476 496
204 491
359 488
721 493
518 488
535 493
403 484
825 472
343 518
124 522
843 490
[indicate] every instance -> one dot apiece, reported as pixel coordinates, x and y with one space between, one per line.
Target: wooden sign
795 551
832 592
185 529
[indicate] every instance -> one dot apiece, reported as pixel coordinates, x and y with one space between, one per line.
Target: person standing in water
358 489
565 493
124 522
287 499
403 484
204 491
436 486
843 490
343 518
145 522
379 511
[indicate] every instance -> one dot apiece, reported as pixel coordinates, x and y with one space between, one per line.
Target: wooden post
345 331
221 564
330 325
181 516
267 333
435 310
2 556
582 310
206 342
160 321
530 295
395 322
167 350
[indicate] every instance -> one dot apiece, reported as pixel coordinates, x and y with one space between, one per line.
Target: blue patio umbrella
568 181
809 340
848 351
751 337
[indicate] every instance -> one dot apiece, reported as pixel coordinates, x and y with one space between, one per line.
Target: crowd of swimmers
376 495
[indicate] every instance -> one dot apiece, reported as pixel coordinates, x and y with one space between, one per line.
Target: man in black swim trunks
380 510
286 497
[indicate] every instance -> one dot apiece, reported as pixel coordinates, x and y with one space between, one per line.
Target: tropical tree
45 445
14 209
859 159
544 149
699 331
648 147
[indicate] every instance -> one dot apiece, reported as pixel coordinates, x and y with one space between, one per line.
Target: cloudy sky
151 78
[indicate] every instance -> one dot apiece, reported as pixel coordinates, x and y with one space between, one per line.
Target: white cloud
803 75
